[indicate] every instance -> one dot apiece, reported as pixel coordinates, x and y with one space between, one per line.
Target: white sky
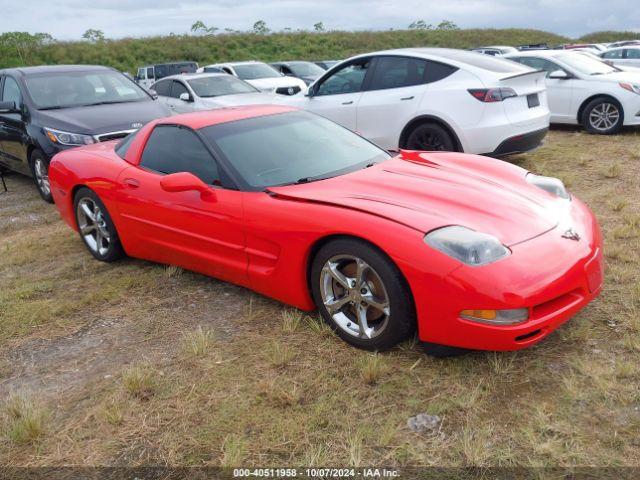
68 19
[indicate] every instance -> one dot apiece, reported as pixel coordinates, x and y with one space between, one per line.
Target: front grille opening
529 335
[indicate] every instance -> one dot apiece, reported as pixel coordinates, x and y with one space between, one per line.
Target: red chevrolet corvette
473 252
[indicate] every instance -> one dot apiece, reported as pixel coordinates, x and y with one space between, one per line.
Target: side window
172 149
142 73
227 70
348 79
286 70
163 88
633 53
150 73
437 71
11 92
613 54
396 72
177 89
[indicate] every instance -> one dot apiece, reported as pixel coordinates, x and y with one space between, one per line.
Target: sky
69 19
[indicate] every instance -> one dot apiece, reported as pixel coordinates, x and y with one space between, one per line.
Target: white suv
262 76
434 99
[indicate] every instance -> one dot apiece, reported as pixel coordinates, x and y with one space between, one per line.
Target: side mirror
559 75
153 94
8 107
185 97
185 182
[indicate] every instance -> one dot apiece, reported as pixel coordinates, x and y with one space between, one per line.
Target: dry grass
275 386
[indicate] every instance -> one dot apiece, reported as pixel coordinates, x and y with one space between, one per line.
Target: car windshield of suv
254 71
585 65
207 87
305 69
76 89
292 147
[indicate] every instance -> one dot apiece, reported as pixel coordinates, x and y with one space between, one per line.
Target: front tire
95 226
603 116
430 137
362 295
40 170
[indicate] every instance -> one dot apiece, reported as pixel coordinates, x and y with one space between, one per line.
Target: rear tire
40 170
96 229
362 295
603 116
430 137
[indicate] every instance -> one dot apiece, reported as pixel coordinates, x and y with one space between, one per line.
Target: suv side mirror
559 75
185 182
185 97
8 107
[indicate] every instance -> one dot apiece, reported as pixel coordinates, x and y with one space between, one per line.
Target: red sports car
474 253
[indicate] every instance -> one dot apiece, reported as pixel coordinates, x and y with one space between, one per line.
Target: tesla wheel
40 171
603 116
95 226
362 295
430 137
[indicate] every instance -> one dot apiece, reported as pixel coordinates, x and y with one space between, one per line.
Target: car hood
624 76
256 98
99 119
276 82
434 190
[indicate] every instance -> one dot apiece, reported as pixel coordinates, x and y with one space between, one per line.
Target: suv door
392 98
182 228
336 96
631 57
176 104
13 128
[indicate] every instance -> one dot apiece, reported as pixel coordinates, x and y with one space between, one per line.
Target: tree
93 35
420 25
260 27
447 25
200 27
22 44
318 27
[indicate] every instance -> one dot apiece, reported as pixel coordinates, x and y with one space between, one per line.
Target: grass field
134 363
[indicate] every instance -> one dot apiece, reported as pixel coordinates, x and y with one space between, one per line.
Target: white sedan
434 99
205 91
585 91
262 76
628 56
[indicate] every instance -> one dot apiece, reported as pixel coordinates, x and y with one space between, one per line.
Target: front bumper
552 276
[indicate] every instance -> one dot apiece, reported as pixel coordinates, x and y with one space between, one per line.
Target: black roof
54 69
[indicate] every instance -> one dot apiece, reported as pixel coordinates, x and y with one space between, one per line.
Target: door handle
131 182
408 98
347 103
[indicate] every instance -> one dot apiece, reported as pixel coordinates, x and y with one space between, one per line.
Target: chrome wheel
93 226
604 116
42 176
355 296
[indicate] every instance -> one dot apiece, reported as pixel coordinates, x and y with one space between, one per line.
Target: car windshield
207 87
305 69
292 147
254 71
75 89
585 65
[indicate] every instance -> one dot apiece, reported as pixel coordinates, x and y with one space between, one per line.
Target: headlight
632 87
468 246
66 138
549 184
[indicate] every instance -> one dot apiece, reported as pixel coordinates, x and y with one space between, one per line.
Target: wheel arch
404 135
594 97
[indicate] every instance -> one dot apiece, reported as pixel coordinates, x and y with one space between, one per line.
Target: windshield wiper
106 103
55 107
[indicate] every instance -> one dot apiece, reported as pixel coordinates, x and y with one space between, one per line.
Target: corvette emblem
571 234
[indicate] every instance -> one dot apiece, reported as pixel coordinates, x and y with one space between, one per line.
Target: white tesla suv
205 91
585 91
434 99
262 76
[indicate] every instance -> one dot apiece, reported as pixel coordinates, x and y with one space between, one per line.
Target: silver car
628 56
207 91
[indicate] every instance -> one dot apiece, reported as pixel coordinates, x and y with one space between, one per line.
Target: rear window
486 62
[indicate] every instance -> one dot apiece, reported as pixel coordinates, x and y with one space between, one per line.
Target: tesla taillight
490 95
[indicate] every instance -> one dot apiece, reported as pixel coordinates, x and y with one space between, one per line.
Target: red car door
198 233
